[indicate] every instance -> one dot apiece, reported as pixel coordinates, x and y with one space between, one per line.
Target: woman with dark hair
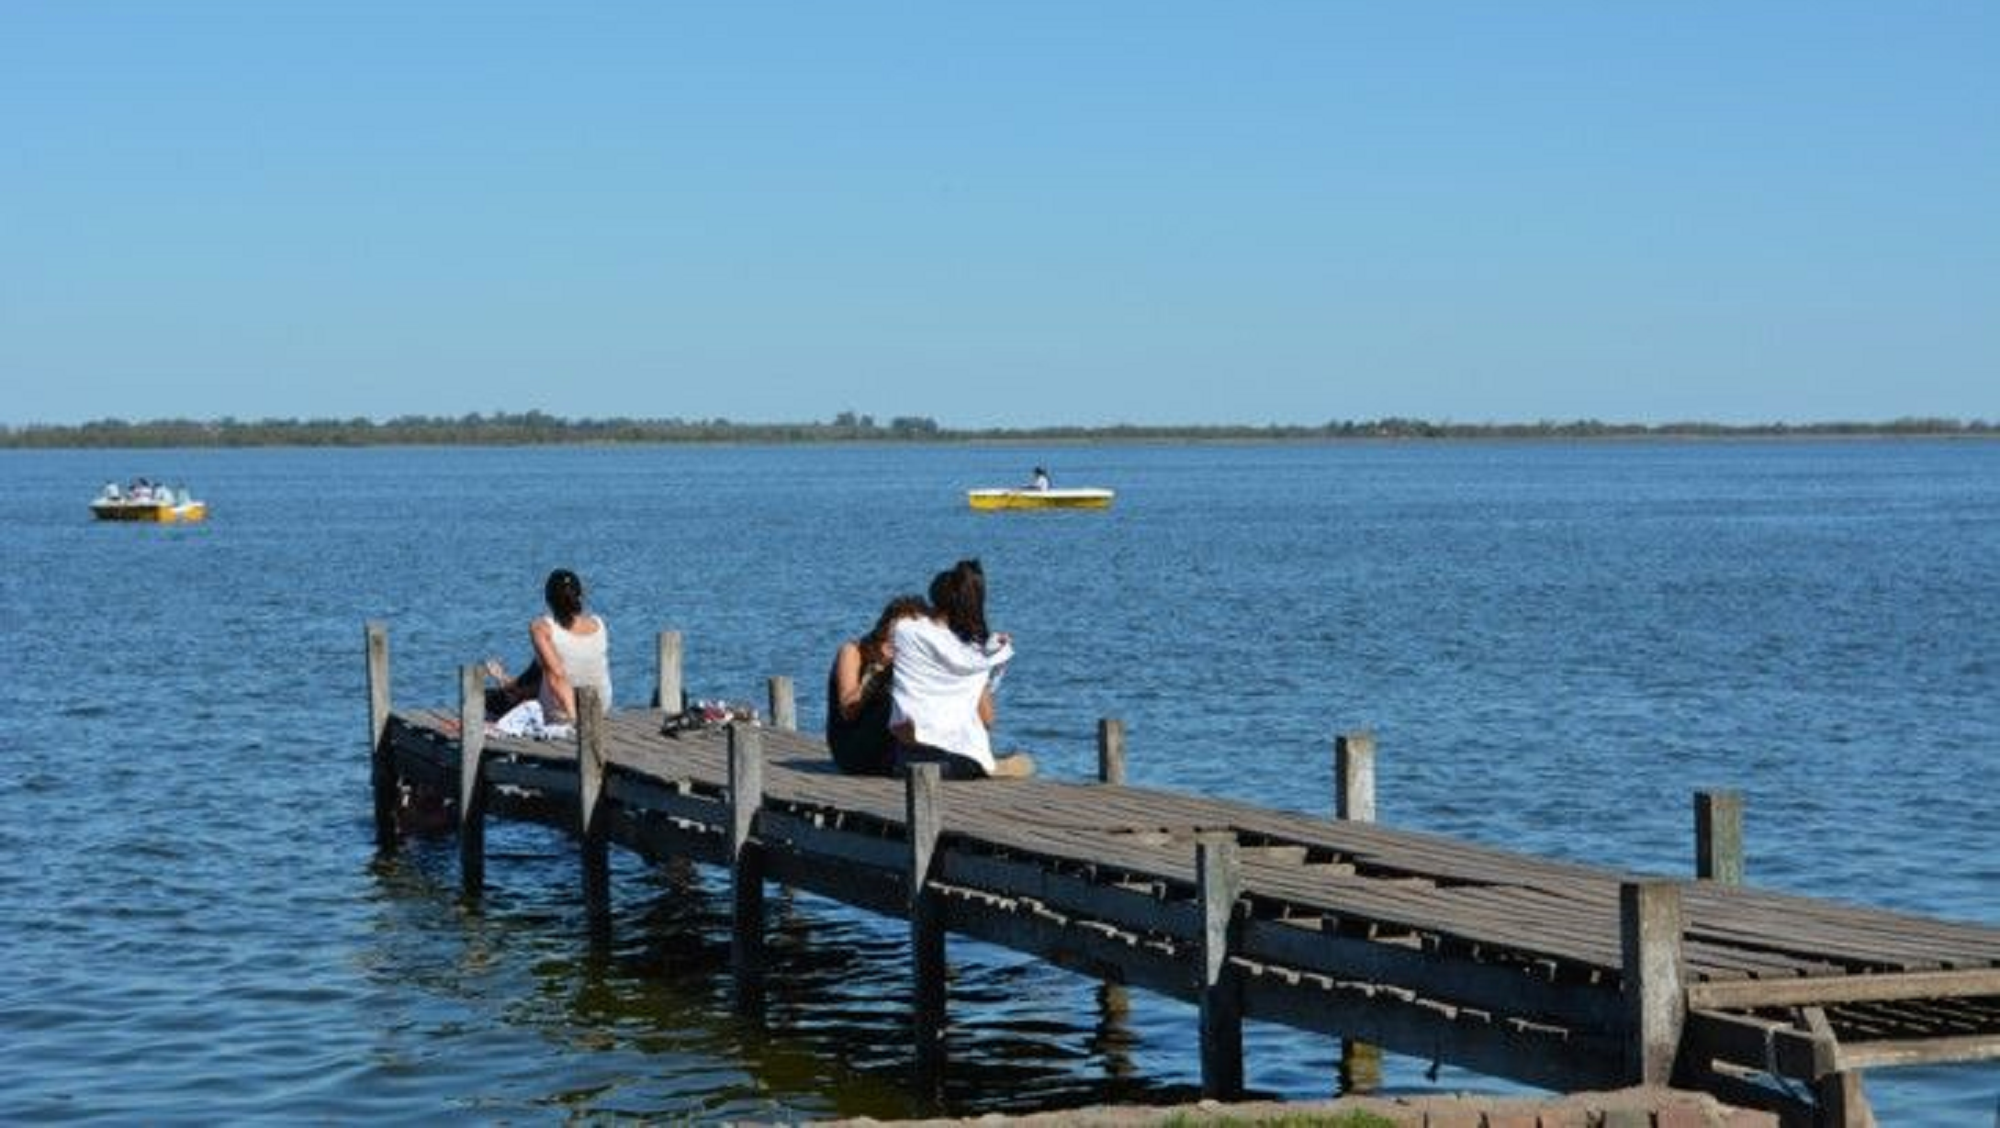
946 664
857 694
572 648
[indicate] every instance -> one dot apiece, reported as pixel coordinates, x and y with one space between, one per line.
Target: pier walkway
1554 974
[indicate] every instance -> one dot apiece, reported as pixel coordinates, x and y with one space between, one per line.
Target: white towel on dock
526 719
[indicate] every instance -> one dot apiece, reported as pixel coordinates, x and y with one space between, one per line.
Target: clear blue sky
1001 214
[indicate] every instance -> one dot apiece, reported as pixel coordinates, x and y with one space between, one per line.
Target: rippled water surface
1555 644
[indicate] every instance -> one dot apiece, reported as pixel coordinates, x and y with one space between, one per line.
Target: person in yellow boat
1040 481
857 694
946 665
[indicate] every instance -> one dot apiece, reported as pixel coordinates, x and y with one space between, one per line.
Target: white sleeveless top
585 658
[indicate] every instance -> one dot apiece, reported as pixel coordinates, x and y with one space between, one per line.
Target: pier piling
1219 880
593 831
746 861
1718 836
1354 801
1110 751
1650 927
927 953
1354 777
381 761
668 694
784 709
472 779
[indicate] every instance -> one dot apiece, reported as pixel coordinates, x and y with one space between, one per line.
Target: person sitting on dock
857 694
572 649
506 692
946 665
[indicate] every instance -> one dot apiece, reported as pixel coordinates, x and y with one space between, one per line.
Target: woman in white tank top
572 647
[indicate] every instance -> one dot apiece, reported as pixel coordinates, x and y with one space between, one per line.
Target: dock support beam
381 764
784 710
472 779
1111 751
1354 801
668 694
592 831
1718 836
923 818
746 864
1219 879
1650 928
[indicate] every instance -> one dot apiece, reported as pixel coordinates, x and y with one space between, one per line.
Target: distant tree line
535 427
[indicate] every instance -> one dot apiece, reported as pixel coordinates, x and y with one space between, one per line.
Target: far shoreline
537 429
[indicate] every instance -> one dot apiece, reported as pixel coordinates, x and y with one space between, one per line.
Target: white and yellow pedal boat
1027 497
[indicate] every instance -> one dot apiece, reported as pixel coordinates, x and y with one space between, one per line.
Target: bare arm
986 713
553 675
847 685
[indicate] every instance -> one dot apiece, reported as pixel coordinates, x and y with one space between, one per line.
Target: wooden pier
1553 974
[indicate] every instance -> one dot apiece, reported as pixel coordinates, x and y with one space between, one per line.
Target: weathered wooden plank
1756 1043
667 800
1506 989
1920 1051
1106 954
1140 912
1432 1032
1846 989
800 836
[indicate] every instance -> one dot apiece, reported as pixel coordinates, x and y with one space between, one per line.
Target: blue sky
1001 214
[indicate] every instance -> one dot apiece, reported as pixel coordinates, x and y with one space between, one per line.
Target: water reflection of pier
1553 974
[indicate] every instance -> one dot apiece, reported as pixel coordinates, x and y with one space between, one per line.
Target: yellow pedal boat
158 512
1029 498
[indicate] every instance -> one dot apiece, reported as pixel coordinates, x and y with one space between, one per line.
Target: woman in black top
857 694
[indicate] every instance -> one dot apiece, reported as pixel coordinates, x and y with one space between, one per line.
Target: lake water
1556 644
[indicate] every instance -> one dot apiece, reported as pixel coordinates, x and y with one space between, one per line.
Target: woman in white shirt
571 647
946 664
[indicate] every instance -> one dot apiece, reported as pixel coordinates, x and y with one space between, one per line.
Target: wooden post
472 779
1653 984
668 695
1718 836
381 763
1110 750
784 713
1843 1103
1219 879
922 810
746 864
1354 801
1354 776
591 816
